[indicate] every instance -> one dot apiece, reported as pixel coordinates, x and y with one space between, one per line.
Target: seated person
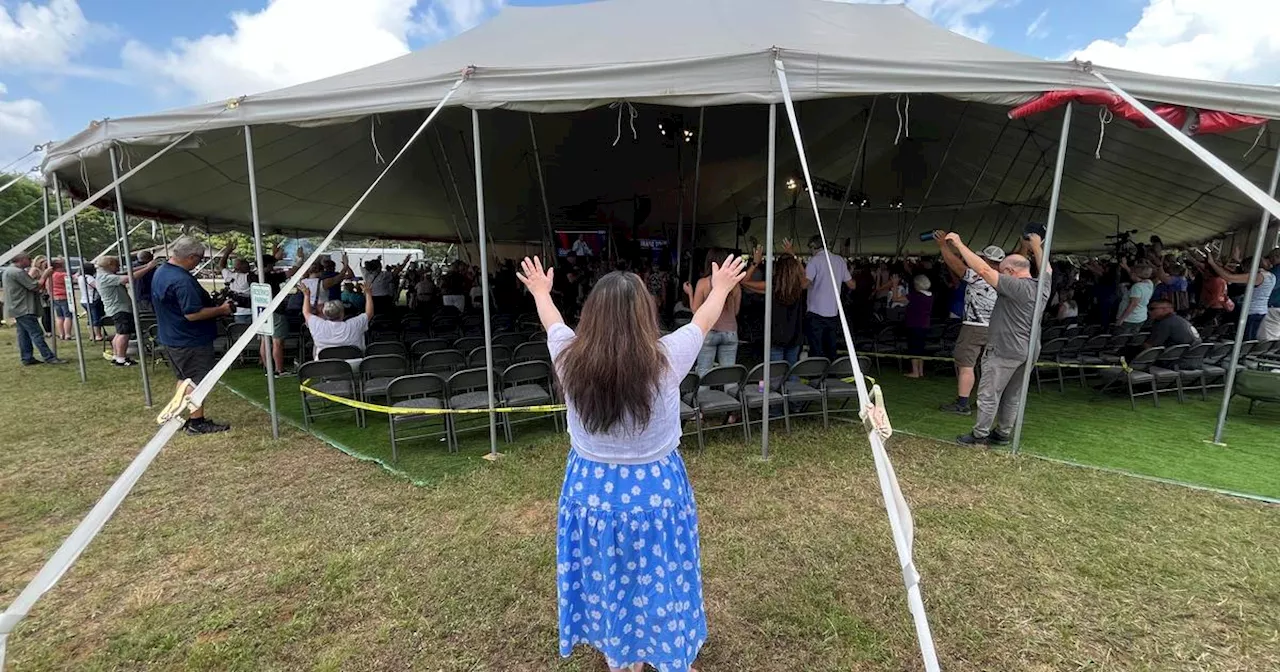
1168 328
330 330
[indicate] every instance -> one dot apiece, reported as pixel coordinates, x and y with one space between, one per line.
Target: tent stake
484 286
1042 282
768 283
1244 312
127 255
270 359
71 285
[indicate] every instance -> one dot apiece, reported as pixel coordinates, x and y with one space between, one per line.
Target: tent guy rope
89 527
895 503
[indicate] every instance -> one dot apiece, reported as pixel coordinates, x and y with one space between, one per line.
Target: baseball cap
993 253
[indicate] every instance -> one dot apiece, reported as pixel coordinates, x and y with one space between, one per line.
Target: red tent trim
1203 122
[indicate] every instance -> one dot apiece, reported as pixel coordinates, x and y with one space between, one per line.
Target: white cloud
42 35
1036 29
295 41
1233 40
23 123
980 32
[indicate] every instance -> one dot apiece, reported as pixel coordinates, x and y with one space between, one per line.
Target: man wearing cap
1009 337
979 299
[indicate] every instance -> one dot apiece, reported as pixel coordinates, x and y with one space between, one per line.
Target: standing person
453 286
1263 284
320 286
186 319
39 271
789 285
22 300
382 284
979 299
629 576
1269 330
1134 314
919 314
91 301
115 304
279 322
720 347
148 261
822 321
62 312
657 281
1009 338
237 279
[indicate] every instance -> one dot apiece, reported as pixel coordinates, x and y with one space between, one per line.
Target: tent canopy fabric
583 69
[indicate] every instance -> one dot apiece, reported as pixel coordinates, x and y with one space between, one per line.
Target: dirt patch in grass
237 552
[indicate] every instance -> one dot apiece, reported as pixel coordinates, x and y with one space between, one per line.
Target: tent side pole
127 255
768 283
542 182
270 359
853 174
1244 310
71 285
1042 282
697 188
484 285
48 258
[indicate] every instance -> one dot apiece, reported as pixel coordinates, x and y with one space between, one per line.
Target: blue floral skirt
628 571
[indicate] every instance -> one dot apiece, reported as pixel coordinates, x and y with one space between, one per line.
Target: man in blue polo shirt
186 319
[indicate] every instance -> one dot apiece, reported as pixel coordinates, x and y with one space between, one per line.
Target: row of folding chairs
795 389
444 360
1084 351
382 380
1183 368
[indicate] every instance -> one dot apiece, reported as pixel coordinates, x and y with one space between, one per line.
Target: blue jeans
29 334
1251 325
823 334
718 348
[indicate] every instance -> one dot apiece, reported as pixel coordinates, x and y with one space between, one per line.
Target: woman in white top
628 570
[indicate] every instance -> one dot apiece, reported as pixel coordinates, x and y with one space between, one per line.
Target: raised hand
534 277
757 254
729 274
788 247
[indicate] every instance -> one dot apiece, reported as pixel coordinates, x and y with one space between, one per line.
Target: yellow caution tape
1046 365
394 410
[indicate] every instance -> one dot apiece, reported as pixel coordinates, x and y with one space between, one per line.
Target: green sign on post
259 297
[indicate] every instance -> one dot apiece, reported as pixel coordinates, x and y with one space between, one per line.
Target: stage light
896 204
791 183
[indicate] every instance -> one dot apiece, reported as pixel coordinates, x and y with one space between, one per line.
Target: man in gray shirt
22 297
1008 338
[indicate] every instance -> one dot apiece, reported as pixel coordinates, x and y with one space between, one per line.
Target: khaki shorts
969 345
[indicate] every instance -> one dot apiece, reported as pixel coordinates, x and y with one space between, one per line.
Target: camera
1033 227
927 236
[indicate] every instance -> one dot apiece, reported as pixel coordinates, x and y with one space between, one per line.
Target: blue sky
64 63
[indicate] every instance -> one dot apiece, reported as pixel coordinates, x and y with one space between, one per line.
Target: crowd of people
1171 295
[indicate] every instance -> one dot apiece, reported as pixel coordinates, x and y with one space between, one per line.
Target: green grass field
237 552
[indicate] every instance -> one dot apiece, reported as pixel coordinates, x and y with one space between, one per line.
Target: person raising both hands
627 519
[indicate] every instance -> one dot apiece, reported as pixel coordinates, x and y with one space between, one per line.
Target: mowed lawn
237 552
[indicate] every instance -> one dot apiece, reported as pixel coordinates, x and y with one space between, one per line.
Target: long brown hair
612 368
788 281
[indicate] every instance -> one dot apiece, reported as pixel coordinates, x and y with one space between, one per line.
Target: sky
65 63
